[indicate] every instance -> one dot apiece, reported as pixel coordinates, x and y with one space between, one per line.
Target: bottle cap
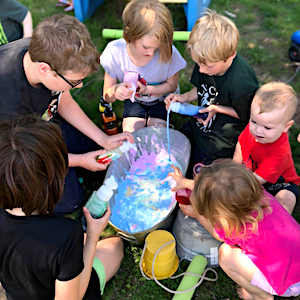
105 193
111 182
174 106
108 112
172 182
126 146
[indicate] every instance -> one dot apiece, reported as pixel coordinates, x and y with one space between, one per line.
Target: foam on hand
132 88
132 77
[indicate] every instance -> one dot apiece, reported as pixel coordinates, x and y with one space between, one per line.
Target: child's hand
117 140
96 226
211 110
189 211
122 92
298 138
142 89
174 98
88 161
178 177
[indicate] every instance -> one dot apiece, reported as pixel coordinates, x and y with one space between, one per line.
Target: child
224 84
264 145
16 21
36 76
146 49
43 255
261 240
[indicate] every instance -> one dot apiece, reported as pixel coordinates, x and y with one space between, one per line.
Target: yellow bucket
166 261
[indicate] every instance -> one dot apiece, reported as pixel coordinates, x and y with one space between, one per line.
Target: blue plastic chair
85 8
193 10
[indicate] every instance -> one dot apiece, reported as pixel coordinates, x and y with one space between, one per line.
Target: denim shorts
259 280
139 110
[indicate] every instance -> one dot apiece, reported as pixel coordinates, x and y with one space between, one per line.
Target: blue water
143 199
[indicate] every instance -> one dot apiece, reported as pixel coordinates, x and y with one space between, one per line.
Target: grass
265 30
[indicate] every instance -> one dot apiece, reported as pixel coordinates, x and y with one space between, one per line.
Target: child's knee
287 199
225 252
119 248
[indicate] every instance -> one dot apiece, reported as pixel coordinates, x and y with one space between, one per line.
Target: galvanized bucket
150 139
193 239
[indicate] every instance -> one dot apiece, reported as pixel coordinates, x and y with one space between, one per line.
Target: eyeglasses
67 81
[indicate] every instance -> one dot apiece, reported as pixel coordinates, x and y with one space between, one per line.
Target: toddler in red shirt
264 144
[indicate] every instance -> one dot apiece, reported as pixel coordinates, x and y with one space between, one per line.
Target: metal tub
192 239
150 139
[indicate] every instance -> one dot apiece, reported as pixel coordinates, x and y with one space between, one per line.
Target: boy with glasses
36 76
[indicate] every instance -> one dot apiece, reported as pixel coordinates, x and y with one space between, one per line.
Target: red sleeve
275 161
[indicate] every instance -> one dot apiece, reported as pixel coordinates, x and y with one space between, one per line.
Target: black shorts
139 110
198 158
274 188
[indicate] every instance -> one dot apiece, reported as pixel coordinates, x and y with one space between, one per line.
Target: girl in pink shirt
261 249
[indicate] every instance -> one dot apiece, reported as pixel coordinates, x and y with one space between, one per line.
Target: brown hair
65 44
213 38
141 17
275 95
228 194
34 163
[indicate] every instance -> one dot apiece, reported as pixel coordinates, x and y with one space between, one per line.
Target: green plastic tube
197 266
118 33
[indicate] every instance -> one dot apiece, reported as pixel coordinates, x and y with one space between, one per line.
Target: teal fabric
100 270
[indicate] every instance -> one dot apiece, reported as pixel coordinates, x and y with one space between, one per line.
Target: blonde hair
228 194
65 44
275 95
213 38
143 17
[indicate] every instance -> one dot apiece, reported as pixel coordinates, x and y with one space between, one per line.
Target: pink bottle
131 77
183 196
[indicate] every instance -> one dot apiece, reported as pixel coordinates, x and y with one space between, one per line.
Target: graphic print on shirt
250 163
148 97
52 107
207 95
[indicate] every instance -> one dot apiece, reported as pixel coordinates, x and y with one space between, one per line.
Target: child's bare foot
243 293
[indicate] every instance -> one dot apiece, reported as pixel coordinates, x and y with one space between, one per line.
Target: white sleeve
178 63
107 60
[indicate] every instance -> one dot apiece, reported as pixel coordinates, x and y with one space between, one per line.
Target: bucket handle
163 125
202 277
128 238
186 258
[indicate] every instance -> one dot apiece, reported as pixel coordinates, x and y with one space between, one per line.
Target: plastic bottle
114 154
188 110
98 201
110 122
108 117
132 77
182 196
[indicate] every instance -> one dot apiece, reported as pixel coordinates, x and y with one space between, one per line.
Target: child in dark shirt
43 255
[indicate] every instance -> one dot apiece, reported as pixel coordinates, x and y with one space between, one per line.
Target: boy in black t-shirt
224 84
36 76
